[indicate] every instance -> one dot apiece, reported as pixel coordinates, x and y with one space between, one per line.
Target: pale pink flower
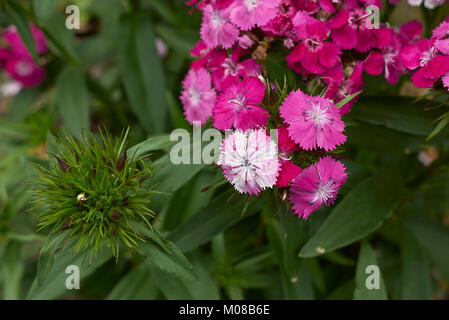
249 160
198 97
238 106
313 122
216 29
246 14
316 185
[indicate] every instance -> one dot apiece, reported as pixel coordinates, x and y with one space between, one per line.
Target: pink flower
287 169
238 106
24 70
314 54
245 42
246 14
227 69
340 88
410 32
312 121
4 56
216 29
425 57
387 59
282 24
350 31
12 37
201 51
198 98
249 160
316 185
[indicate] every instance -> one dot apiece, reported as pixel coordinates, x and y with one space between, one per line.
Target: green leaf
73 100
61 40
136 284
164 255
182 41
12 268
212 220
18 17
347 99
416 283
53 285
151 144
43 8
440 126
396 113
361 291
434 240
360 213
142 71
188 200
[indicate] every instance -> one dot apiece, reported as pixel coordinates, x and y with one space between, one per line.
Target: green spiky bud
93 189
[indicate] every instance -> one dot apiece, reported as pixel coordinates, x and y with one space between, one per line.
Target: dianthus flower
287 169
246 14
313 122
316 185
198 97
238 106
313 52
217 29
249 160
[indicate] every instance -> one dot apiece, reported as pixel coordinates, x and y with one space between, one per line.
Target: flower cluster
330 44
429 58
16 59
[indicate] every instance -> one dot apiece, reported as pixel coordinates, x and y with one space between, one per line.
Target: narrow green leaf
151 144
12 268
363 276
434 240
347 99
360 213
212 220
73 100
416 283
43 8
142 72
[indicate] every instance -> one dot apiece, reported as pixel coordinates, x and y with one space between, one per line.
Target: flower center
251 4
317 115
312 44
239 103
216 20
195 96
427 56
325 192
230 67
23 68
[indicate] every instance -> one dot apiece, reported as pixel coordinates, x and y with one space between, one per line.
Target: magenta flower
216 28
227 69
313 122
249 160
340 88
425 57
246 14
198 97
12 37
387 59
350 31
202 52
314 54
410 32
24 70
316 185
287 169
238 106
